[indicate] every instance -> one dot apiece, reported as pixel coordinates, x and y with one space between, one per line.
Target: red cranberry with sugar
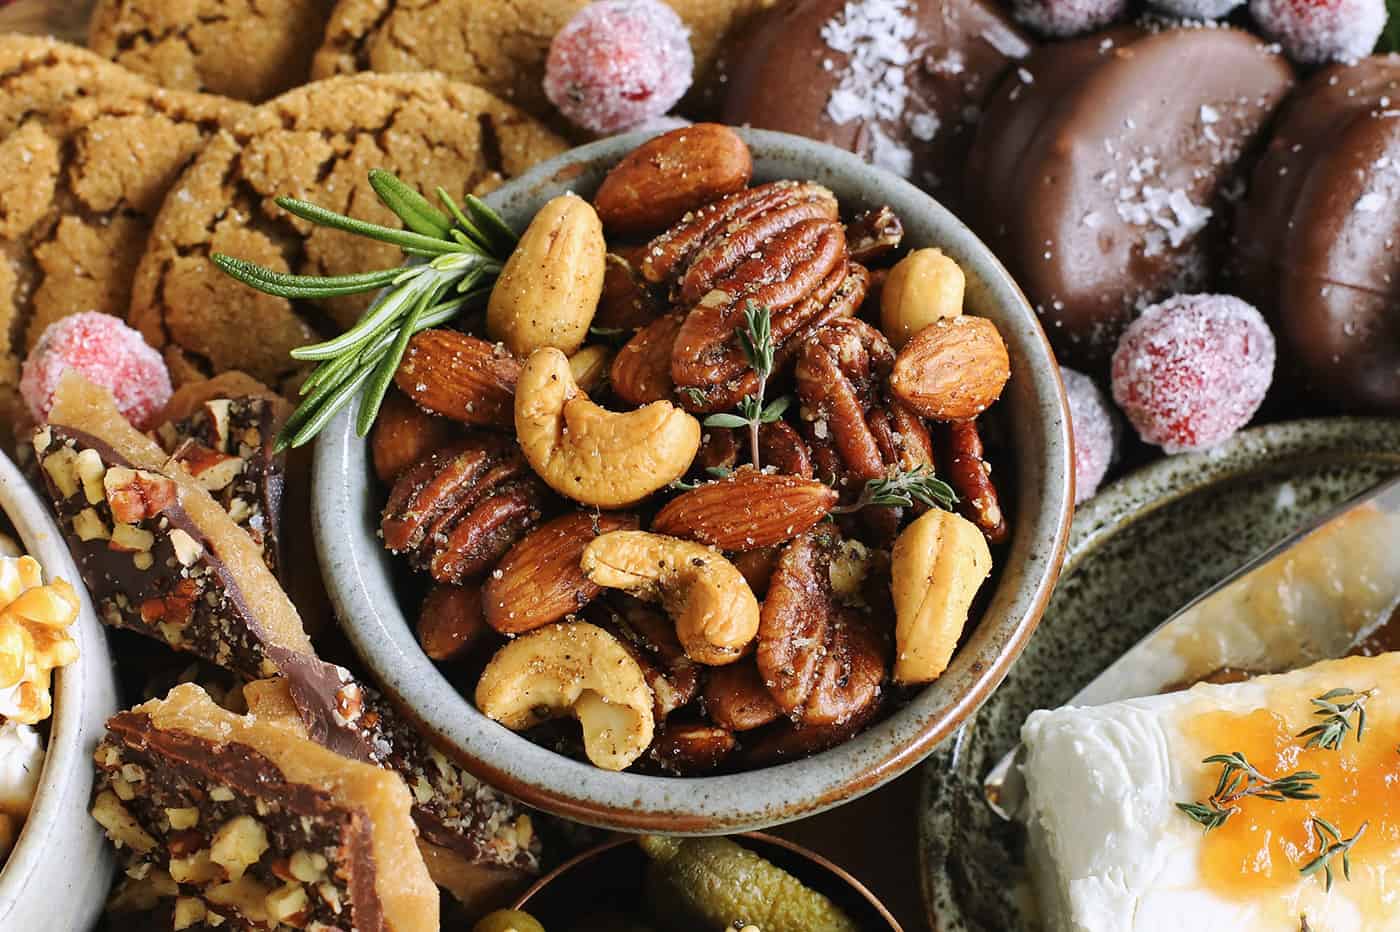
1096 432
1193 370
1063 18
108 353
1313 32
618 64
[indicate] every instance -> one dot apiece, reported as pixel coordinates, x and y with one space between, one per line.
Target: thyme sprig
901 489
1337 706
463 248
756 340
1239 779
1331 843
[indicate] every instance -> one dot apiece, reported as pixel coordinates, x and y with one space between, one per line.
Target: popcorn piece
34 640
107 352
285 833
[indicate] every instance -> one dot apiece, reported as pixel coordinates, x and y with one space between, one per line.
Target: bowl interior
84 694
610 879
359 573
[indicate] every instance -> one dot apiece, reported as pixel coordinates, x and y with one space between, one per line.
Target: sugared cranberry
108 353
619 63
1062 18
1197 9
1095 432
1193 370
1317 31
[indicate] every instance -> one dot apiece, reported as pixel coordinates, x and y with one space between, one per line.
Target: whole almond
548 291
747 511
953 369
460 377
641 370
403 434
659 181
539 580
450 622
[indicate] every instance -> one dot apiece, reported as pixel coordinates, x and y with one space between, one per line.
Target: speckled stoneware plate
1138 551
359 573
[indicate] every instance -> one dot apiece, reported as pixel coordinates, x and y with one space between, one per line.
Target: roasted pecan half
692 748
784 449
874 234
459 509
770 207
843 381
712 370
822 661
971 477
650 637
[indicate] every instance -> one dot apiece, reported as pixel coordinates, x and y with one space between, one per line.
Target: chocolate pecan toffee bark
1102 171
317 142
91 151
225 821
249 51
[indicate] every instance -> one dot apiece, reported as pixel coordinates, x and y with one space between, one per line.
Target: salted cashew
714 609
590 454
548 291
572 669
938 564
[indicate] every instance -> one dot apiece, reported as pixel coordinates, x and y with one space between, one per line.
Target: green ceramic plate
1138 551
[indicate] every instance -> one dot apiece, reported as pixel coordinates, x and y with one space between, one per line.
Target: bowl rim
356 572
597 851
67 761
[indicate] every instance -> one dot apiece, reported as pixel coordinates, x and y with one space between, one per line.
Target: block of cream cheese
1111 851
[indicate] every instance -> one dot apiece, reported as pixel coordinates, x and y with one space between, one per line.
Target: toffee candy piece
223 820
897 81
1102 164
1318 238
226 444
471 833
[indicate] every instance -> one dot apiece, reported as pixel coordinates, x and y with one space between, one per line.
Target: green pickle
508 920
715 882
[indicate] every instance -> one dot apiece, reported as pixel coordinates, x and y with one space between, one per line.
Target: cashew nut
938 564
924 286
714 609
592 455
549 289
572 669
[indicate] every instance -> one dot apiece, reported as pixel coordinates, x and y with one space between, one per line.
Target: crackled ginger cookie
89 151
247 49
498 44
317 143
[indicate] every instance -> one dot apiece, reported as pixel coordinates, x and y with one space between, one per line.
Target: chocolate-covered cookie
900 82
1101 171
1318 237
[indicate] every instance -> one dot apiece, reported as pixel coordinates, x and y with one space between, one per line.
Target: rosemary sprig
756 340
463 248
1331 843
1240 779
1336 706
901 489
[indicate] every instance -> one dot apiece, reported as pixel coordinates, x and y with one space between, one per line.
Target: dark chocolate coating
1096 163
1317 236
778 79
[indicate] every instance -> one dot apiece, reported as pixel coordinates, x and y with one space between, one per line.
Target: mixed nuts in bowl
663 539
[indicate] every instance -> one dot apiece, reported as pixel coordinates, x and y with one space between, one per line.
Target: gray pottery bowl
59 872
358 570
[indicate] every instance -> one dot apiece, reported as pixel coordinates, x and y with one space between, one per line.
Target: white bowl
60 870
